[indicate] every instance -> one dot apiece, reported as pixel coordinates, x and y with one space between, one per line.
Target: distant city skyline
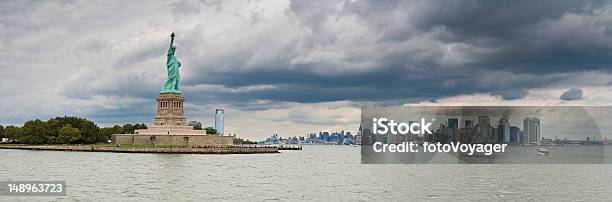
322 137
536 122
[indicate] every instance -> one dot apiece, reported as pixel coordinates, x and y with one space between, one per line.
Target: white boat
543 151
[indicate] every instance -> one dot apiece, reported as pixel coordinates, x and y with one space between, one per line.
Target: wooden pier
290 147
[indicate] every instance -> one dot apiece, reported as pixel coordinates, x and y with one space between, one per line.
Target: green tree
90 132
13 133
68 134
35 132
128 129
1 132
117 129
140 126
210 130
107 132
197 127
243 141
65 129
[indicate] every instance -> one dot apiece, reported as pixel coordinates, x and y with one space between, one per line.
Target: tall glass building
219 121
531 130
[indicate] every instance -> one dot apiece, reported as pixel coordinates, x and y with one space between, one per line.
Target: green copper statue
173 65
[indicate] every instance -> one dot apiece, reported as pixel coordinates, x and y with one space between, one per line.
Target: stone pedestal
170 110
170 128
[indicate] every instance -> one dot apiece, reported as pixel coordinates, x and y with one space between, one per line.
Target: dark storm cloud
512 94
240 53
572 94
508 45
521 36
500 48
381 86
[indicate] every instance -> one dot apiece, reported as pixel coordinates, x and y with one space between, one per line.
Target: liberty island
169 132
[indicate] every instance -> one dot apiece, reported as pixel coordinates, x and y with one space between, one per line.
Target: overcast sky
293 67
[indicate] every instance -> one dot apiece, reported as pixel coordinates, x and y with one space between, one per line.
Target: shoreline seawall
169 150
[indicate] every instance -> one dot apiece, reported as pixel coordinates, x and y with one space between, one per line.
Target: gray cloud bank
572 94
106 59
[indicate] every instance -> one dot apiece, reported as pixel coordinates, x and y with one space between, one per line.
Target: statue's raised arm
172 40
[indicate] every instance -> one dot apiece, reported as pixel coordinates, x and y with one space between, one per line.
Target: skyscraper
535 129
507 132
469 124
486 131
526 130
483 121
531 128
504 125
219 121
499 135
514 134
453 123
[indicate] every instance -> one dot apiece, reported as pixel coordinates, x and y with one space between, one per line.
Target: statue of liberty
173 65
